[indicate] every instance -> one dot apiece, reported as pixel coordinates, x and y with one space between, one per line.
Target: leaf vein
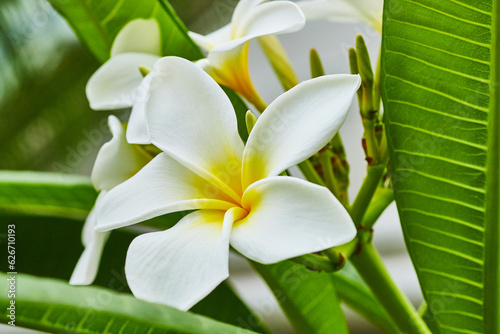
435 134
434 91
485 45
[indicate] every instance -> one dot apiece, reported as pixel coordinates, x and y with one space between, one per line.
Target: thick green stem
370 266
381 200
370 141
364 197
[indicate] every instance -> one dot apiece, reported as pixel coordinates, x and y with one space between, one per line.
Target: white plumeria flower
227 59
240 198
366 11
119 83
116 162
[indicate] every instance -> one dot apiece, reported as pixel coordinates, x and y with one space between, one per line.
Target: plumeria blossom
366 11
120 83
116 162
235 188
227 59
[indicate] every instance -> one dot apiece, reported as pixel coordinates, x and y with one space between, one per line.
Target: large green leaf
440 71
96 24
53 305
308 298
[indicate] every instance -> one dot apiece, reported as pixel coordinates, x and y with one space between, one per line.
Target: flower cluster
236 189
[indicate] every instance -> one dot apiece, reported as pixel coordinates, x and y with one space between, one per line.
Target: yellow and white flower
120 83
116 162
227 59
365 11
235 188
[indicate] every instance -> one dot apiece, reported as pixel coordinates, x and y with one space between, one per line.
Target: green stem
279 60
364 197
381 200
257 101
326 164
370 266
377 84
341 170
310 173
371 142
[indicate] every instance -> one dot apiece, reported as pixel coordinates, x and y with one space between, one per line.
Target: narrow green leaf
440 87
308 298
240 109
53 305
46 194
96 23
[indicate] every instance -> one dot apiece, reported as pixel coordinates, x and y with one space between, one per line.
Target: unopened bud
316 64
144 70
250 120
364 64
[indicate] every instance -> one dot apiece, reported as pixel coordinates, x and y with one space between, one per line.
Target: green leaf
96 23
46 194
356 294
308 298
53 305
440 71
240 109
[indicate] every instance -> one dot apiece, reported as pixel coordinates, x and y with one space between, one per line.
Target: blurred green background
45 121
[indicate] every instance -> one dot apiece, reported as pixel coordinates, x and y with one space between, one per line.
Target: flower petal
240 11
297 125
161 187
271 18
88 264
139 35
117 160
209 41
289 217
114 84
367 11
180 266
191 118
137 128
220 35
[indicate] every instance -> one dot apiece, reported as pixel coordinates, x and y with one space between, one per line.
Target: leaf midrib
492 215
96 23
